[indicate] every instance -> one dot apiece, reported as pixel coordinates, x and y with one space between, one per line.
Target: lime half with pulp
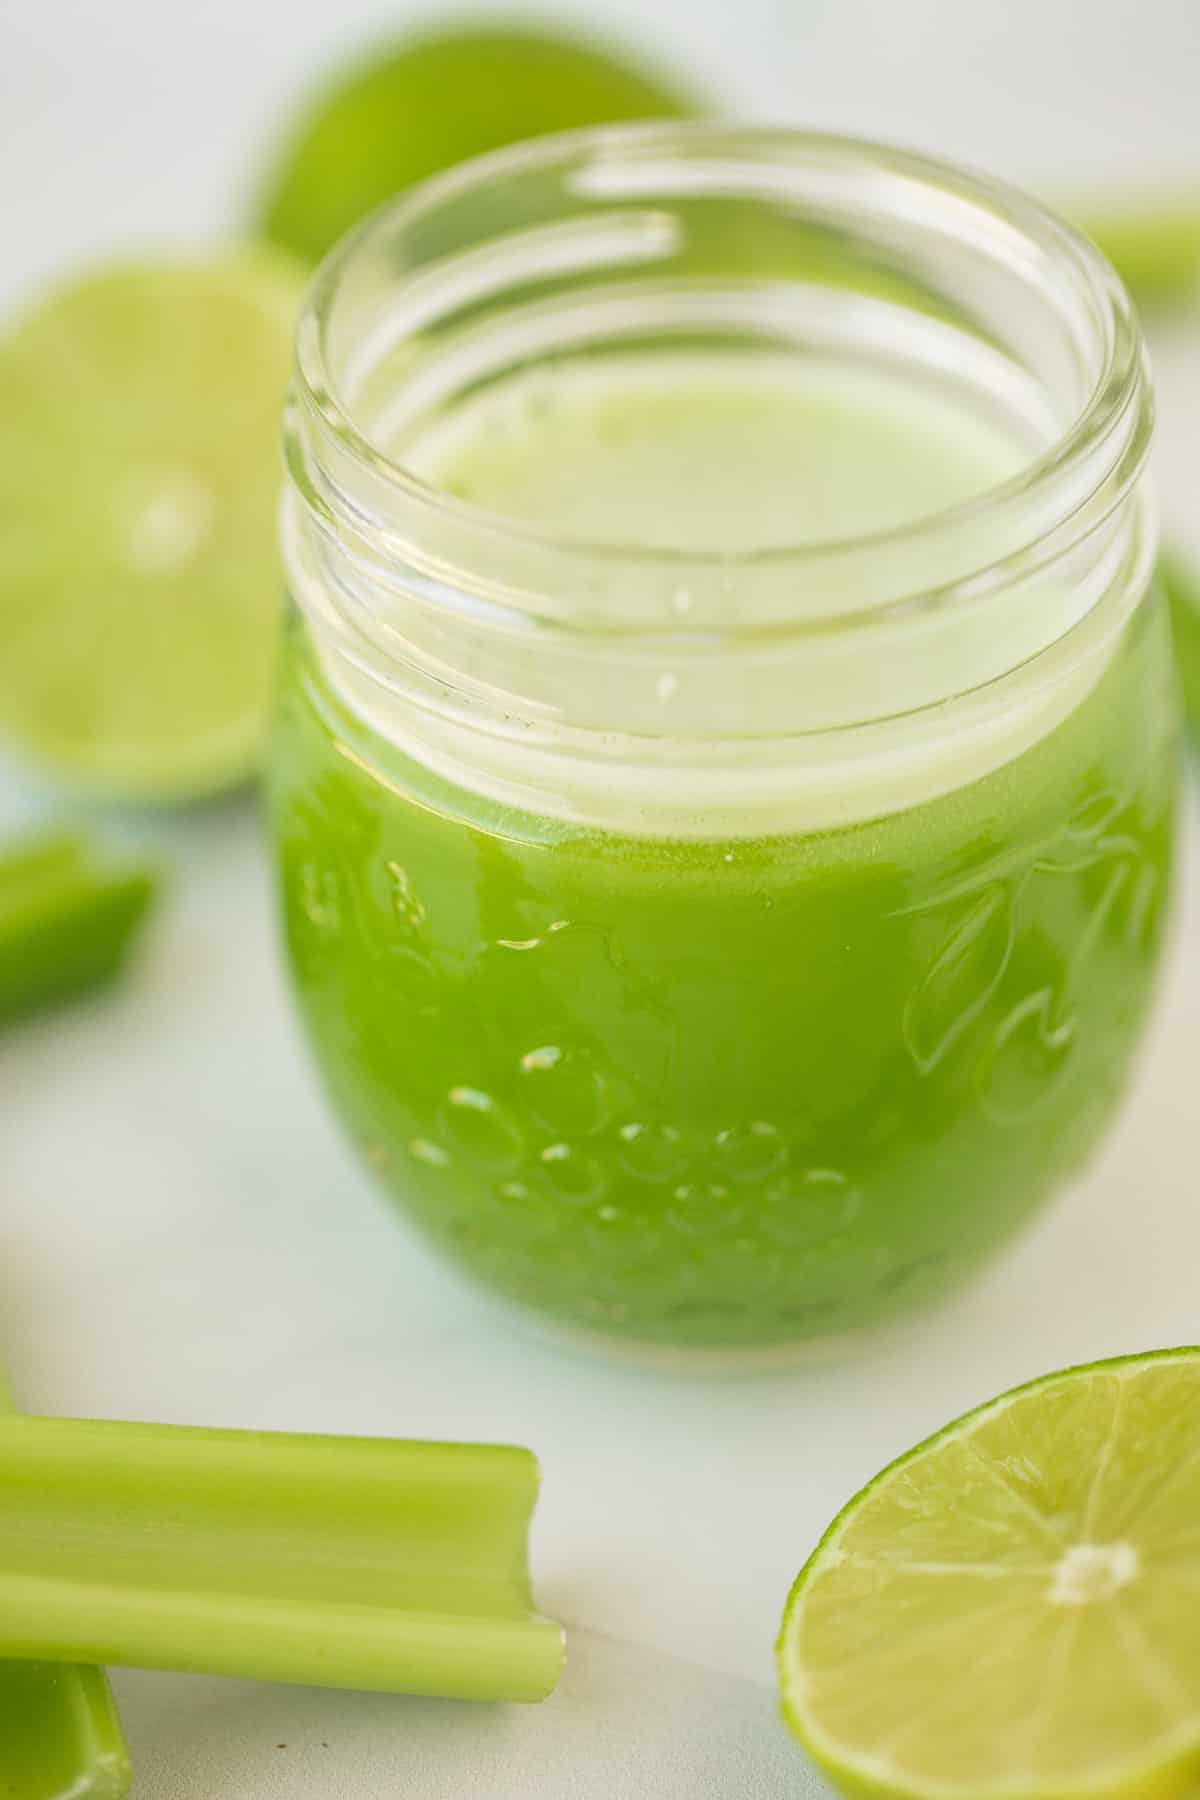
411 109
139 573
1013 1609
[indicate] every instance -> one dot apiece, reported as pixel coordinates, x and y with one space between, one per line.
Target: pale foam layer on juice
735 453
724 450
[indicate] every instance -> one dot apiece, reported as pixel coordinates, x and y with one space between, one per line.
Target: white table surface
184 1236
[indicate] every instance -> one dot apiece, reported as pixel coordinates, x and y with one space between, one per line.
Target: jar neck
669 683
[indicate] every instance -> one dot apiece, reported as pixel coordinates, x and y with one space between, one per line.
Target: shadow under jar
724 779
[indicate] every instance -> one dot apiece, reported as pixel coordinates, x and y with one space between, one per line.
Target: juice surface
725 1089
713 450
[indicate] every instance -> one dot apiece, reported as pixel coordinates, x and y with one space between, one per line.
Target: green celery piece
60 1737
65 924
335 1561
1154 246
1181 580
35 863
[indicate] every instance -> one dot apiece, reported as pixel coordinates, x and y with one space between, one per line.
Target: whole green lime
432 100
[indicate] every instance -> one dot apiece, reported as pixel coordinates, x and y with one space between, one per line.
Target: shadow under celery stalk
60 1737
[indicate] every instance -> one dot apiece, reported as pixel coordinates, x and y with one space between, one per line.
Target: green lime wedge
66 924
1013 1609
410 109
1154 245
1181 579
139 574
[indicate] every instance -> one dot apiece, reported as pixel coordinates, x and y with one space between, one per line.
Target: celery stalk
65 925
60 1737
1154 246
1181 580
341 1562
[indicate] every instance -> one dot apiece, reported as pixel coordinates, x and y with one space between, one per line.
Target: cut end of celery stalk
338 1562
1154 245
66 924
60 1737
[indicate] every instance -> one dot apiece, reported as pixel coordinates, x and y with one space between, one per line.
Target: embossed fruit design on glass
724 776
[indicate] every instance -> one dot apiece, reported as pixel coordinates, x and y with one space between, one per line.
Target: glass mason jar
715 934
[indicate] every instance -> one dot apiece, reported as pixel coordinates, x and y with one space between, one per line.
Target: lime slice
1013 1609
1181 580
433 100
139 575
65 924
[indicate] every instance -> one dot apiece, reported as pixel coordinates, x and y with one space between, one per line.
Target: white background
184 1236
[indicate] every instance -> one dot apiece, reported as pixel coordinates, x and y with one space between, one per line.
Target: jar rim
1101 451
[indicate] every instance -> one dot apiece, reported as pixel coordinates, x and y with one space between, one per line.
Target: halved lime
410 109
1013 1609
139 575
67 921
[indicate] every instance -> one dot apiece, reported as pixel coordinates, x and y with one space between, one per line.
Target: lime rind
1169 1769
403 110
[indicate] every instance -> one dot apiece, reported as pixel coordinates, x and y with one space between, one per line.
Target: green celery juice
729 1068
